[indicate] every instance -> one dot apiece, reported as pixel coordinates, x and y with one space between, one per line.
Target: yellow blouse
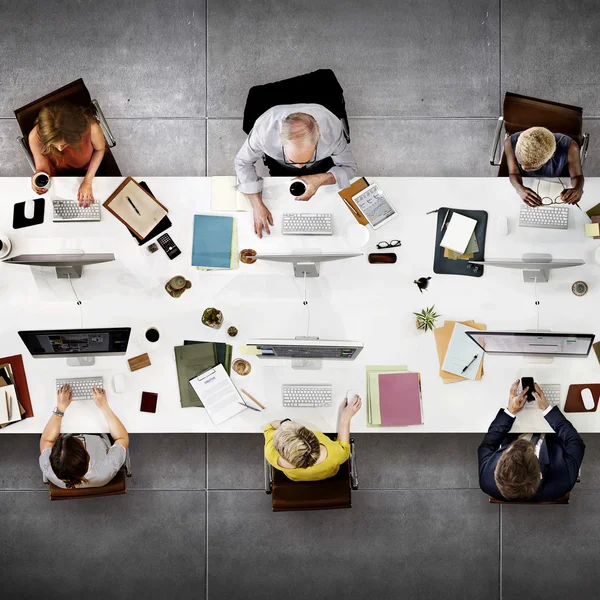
337 454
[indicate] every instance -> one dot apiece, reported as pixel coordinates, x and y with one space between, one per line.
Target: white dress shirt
265 138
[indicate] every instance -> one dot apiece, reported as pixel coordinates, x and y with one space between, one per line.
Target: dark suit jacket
560 457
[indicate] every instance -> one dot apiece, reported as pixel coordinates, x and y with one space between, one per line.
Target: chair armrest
584 147
25 147
268 477
110 138
497 134
127 463
353 467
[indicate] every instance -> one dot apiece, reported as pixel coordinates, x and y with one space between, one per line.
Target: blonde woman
305 455
67 139
537 152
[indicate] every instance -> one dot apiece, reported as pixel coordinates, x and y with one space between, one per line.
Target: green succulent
426 318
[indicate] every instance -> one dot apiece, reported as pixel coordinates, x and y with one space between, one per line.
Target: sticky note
592 229
250 350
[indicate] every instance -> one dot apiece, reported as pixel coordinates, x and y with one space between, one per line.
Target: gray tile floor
423 84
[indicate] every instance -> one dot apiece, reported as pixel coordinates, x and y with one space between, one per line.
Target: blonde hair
535 147
297 445
300 128
61 122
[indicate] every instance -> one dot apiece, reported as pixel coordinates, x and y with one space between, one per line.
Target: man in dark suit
529 467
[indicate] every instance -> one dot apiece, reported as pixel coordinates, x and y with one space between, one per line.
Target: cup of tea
297 187
42 181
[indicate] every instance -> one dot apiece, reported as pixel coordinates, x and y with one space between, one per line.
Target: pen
350 207
248 406
8 406
474 359
445 219
253 398
432 211
134 207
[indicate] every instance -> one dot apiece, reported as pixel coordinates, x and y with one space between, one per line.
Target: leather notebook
20 381
346 195
574 403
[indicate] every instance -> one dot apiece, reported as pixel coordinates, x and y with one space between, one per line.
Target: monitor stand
307 364
82 361
308 268
72 272
536 275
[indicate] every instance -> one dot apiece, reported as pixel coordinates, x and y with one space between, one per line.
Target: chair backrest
113 488
319 87
74 92
562 500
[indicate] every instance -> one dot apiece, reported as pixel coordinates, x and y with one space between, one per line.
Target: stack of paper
470 251
10 408
393 397
224 195
459 231
456 361
215 244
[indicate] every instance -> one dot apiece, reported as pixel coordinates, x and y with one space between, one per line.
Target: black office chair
76 93
319 87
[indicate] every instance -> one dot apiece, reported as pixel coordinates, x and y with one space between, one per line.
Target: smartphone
149 400
527 382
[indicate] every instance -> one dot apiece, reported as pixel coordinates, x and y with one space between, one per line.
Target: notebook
225 196
191 360
400 399
373 400
212 241
459 230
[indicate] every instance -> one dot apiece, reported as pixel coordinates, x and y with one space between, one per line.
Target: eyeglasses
392 244
308 162
547 201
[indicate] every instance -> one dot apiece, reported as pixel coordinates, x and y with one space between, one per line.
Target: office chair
76 93
319 87
523 112
114 487
335 492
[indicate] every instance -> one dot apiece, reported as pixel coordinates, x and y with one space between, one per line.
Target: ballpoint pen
8 406
445 219
252 398
472 361
248 406
134 206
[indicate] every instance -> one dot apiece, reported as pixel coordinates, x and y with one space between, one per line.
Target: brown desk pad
574 403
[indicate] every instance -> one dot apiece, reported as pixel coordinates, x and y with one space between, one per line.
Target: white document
224 195
9 405
218 394
550 188
462 350
458 233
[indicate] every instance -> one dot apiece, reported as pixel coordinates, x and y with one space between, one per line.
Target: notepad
400 399
212 241
224 195
461 352
458 233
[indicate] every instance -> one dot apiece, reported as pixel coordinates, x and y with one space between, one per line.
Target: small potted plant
212 317
426 318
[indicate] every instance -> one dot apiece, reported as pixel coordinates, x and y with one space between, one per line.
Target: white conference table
351 300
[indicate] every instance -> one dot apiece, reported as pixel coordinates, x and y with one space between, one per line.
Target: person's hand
529 197
313 183
262 219
36 189
542 401
351 406
516 401
571 195
64 395
100 398
85 195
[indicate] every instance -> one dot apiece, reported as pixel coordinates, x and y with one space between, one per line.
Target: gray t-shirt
105 461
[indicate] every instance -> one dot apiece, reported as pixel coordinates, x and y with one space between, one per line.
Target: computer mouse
588 398
118 383
350 395
29 210
502 225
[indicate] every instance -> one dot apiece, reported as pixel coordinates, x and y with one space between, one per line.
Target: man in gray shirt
306 141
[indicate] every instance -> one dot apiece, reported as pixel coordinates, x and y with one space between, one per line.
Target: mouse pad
19 220
574 402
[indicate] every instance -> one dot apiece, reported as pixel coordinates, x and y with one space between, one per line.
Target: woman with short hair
305 455
67 140
537 152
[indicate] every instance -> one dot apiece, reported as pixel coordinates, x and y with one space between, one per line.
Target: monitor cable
537 304
305 303
78 302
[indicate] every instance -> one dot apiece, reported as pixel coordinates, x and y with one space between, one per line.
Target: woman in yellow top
305 455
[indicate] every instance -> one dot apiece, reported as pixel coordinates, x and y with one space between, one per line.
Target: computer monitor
68 265
306 348
535 267
82 344
306 263
533 343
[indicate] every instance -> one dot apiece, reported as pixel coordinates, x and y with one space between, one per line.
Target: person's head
535 147
299 136
69 460
61 124
297 445
517 473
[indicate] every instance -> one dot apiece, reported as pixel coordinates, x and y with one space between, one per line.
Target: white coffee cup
42 181
5 245
297 188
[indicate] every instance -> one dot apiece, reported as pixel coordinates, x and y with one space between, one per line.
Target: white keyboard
69 210
81 386
307 395
307 224
552 393
555 217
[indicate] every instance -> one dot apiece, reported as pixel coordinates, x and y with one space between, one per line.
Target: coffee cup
152 335
5 246
297 187
42 181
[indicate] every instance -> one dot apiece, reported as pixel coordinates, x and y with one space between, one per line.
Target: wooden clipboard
346 195
139 189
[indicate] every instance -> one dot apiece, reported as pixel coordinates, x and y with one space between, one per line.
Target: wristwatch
57 412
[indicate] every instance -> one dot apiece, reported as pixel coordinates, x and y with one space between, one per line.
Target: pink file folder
400 399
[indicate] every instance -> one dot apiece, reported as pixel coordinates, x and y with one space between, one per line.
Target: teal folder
212 241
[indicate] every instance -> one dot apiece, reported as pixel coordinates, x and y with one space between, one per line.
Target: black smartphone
149 400
527 382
